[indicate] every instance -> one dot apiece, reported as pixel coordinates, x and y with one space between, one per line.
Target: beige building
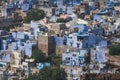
102 4
14 58
58 28
62 49
15 61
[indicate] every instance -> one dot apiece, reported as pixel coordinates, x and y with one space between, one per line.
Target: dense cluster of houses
82 40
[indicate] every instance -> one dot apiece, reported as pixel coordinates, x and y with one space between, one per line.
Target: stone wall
46 44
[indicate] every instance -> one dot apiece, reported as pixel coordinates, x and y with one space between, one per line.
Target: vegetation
54 60
61 20
49 73
39 56
4 0
34 14
7 28
114 50
54 72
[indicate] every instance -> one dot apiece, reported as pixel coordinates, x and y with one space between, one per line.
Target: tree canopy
49 73
34 14
114 50
38 55
54 60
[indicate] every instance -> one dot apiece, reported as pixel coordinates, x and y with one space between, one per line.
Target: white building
18 35
4 44
74 58
35 28
4 11
98 59
28 48
73 41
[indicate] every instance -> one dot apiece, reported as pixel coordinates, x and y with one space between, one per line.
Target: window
71 43
95 56
78 45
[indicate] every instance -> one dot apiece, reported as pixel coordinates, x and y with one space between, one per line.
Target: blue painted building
68 2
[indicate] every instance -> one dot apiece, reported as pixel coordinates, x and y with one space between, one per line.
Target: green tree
34 76
54 60
49 73
34 14
114 50
38 55
4 0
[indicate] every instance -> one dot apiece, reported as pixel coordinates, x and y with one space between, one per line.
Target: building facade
46 44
